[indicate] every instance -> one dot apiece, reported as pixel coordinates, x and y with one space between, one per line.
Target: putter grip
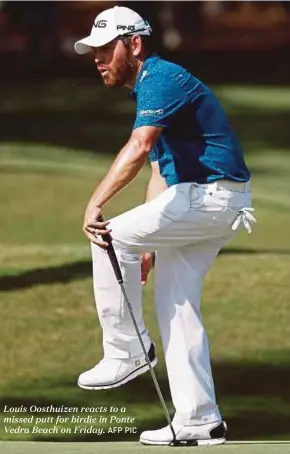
112 255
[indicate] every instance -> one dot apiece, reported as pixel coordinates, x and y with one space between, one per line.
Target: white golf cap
111 23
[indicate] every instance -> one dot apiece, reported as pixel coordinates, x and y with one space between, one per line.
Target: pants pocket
175 201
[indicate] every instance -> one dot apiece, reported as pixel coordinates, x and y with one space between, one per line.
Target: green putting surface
64 142
132 448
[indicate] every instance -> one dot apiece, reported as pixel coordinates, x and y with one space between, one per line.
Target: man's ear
136 45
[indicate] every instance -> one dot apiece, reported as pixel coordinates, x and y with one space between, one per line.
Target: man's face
116 63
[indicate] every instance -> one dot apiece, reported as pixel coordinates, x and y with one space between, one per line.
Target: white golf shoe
110 373
203 435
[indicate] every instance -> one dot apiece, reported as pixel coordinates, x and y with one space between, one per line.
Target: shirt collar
145 66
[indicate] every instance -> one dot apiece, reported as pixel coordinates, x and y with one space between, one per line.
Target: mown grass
48 323
133 448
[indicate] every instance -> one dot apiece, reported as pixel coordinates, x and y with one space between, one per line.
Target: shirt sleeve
159 98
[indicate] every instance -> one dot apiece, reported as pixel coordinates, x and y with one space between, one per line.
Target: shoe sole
141 370
208 442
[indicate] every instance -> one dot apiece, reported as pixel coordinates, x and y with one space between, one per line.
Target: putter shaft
155 381
117 270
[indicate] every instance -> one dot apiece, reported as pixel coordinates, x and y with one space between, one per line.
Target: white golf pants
186 225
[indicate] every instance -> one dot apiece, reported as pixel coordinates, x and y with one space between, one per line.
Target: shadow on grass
256 127
83 269
90 130
237 251
84 129
250 393
103 119
50 275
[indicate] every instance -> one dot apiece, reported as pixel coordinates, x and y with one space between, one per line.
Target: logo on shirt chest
148 112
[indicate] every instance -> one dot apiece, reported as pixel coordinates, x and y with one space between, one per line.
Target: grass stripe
135 447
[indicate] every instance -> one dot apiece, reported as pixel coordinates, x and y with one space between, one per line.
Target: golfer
198 196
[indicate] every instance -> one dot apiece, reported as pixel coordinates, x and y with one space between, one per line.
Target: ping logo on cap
100 24
130 28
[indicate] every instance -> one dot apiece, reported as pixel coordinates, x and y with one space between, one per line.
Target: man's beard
122 73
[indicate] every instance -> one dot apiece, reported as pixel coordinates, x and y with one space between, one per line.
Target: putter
116 267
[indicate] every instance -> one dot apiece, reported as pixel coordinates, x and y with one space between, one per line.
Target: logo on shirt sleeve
144 74
148 112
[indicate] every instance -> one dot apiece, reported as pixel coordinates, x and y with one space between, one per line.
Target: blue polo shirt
197 142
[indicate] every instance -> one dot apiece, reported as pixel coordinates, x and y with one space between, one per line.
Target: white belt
228 185
243 216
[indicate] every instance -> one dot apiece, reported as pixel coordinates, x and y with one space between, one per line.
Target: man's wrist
95 204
